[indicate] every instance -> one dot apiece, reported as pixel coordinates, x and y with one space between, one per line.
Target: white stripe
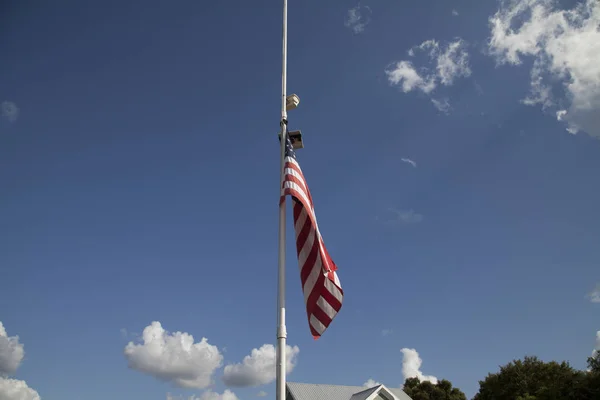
336 280
294 173
326 307
297 188
304 197
293 161
297 175
334 290
302 194
315 323
305 252
312 278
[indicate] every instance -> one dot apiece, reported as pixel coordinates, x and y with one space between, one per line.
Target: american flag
322 289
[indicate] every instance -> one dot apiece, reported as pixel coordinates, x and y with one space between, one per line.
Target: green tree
533 379
594 362
443 390
526 397
590 388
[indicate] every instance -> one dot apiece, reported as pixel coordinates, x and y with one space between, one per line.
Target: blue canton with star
289 147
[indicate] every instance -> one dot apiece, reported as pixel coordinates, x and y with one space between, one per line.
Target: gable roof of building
364 395
310 391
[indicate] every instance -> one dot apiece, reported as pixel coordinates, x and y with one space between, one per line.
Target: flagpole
281 330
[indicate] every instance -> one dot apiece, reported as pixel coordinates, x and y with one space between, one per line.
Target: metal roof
364 394
311 391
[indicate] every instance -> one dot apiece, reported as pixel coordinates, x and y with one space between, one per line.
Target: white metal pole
281 331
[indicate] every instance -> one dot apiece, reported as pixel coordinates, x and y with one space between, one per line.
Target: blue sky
139 183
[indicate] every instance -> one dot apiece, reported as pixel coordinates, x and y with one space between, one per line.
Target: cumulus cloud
262 393
207 395
405 75
455 13
371 383
447 63
594 295
9 110
210 395
411 366
14 389
11 352
358 18
565 48
11 356
386 332
258 368
452 62
174 357
409 161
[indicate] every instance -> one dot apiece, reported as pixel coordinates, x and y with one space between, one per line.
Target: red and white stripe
323 293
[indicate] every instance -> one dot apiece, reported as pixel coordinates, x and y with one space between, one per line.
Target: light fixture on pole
292 102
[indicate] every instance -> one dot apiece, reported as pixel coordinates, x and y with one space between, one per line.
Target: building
309 391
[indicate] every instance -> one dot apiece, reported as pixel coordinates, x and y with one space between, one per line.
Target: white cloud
210 395
14 389
409 161
406 75
455 13
445 65
442 105
174 357
262 393
405 216
411 366
596 345
453 63
565 47
11 352
207 395
386 332
358 18
9 110
371 383
594 295
258 368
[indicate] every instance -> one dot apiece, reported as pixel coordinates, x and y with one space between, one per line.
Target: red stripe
308 266
313 331
300 181
333 302
297 210
311 302
302 235
297 193
299 171
321 315
294 193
